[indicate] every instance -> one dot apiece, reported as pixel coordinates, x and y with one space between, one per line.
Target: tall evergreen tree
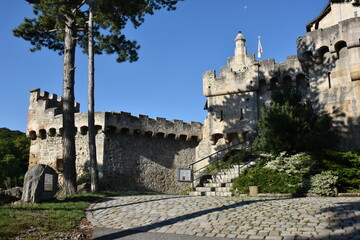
60 25
292 125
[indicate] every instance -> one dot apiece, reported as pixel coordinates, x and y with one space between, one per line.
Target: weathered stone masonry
133 152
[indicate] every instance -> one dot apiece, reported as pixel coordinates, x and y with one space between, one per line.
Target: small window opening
329 79
221 115
60 164
136 132
182 137
42 133
241 113
52 132
194 138
171 136
355 14
148 134
124 131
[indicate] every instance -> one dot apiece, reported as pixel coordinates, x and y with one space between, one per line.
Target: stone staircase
220 184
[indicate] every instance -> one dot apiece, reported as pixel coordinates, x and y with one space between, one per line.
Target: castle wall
133 152
49 151
331 58
133 162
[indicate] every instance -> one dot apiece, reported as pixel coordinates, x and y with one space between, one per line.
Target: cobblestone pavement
231 217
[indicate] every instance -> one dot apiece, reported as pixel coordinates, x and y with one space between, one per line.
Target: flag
260 50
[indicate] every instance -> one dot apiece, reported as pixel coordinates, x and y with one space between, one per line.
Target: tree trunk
69 154
91 102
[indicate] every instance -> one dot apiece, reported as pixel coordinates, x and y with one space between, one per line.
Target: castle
140 153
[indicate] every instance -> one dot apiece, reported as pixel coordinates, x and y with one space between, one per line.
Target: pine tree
292 125
61 25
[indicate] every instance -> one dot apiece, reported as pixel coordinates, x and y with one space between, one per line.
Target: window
241 113
60 164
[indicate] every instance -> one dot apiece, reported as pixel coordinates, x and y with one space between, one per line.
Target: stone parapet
125 123
45 119
248 79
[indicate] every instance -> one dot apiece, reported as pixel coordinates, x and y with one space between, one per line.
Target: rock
40 184
15 192
83 188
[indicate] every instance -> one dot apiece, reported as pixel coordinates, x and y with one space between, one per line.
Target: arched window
341 49
287 82
308 56
274 83
215 137
262 86
42 133
321 52
301 81
84 130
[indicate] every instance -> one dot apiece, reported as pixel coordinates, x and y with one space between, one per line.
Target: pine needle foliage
292 125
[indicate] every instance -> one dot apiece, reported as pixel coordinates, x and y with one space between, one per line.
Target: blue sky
176 48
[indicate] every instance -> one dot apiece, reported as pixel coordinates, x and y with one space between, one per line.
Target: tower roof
240 36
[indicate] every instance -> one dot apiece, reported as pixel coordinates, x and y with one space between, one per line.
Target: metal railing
215 154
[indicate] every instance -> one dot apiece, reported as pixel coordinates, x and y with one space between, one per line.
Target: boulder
15 192
40 184
84 188
10 195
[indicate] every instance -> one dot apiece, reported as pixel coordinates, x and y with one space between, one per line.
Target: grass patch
46 220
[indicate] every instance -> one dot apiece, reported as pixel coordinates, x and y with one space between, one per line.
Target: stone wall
144 163
133 152
331 59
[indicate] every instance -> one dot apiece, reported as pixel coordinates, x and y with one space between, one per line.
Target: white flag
260 50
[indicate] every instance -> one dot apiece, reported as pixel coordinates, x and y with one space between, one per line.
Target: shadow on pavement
124 233
133 203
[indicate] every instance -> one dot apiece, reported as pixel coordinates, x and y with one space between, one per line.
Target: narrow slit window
241 113
329 79
221 116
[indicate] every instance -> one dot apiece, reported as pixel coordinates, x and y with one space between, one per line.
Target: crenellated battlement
42 102
44 111
45 119
142 125
249 78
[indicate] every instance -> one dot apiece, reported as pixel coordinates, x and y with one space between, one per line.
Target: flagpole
259 48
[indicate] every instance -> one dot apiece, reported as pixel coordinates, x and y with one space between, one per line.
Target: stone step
218 185
213 189
227 175
221 194
221 180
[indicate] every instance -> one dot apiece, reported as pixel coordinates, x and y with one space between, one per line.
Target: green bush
291 125
323 184
301 164
345 165
268 181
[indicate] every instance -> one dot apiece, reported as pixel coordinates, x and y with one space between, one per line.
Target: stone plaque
48 182
184 174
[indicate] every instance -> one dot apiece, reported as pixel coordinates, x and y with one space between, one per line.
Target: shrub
323 184
300 164
292 125
345 165
268 181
